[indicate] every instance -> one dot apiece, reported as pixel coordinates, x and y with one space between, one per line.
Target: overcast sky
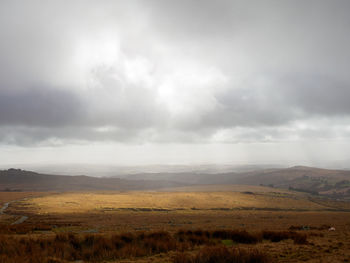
141 82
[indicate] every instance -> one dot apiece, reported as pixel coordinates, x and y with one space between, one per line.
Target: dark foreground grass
24 228
277 236
203 237
104 247
222 254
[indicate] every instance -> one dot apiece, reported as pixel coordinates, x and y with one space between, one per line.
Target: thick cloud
40 107
173 71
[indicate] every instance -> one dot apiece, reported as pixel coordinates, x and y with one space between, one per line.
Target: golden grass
89 202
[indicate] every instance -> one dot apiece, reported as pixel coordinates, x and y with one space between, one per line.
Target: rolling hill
324 182
20 180
331 183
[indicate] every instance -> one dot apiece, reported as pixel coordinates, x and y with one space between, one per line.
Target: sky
174 82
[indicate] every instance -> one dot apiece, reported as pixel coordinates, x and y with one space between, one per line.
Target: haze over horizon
174 82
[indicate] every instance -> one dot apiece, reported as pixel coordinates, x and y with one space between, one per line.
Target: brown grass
221 254
277 236
24 228
11 196
97 247
186 230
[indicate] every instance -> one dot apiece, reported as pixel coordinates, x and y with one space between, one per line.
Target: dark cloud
284 99
40 107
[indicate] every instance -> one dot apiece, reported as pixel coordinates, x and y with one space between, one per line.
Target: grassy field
12 196
175 200
207 209
90 202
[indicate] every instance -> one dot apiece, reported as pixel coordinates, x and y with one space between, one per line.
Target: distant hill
331 183
122 171
187 177
324 182
21 180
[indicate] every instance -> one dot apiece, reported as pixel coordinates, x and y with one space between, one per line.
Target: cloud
173 71
40 107
276 100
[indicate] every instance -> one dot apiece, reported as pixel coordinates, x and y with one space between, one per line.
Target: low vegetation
98 247
277 236
222 254
150 226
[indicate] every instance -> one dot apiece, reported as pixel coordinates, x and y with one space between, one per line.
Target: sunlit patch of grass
167 201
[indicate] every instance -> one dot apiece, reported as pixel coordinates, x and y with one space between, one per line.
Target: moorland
53 218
